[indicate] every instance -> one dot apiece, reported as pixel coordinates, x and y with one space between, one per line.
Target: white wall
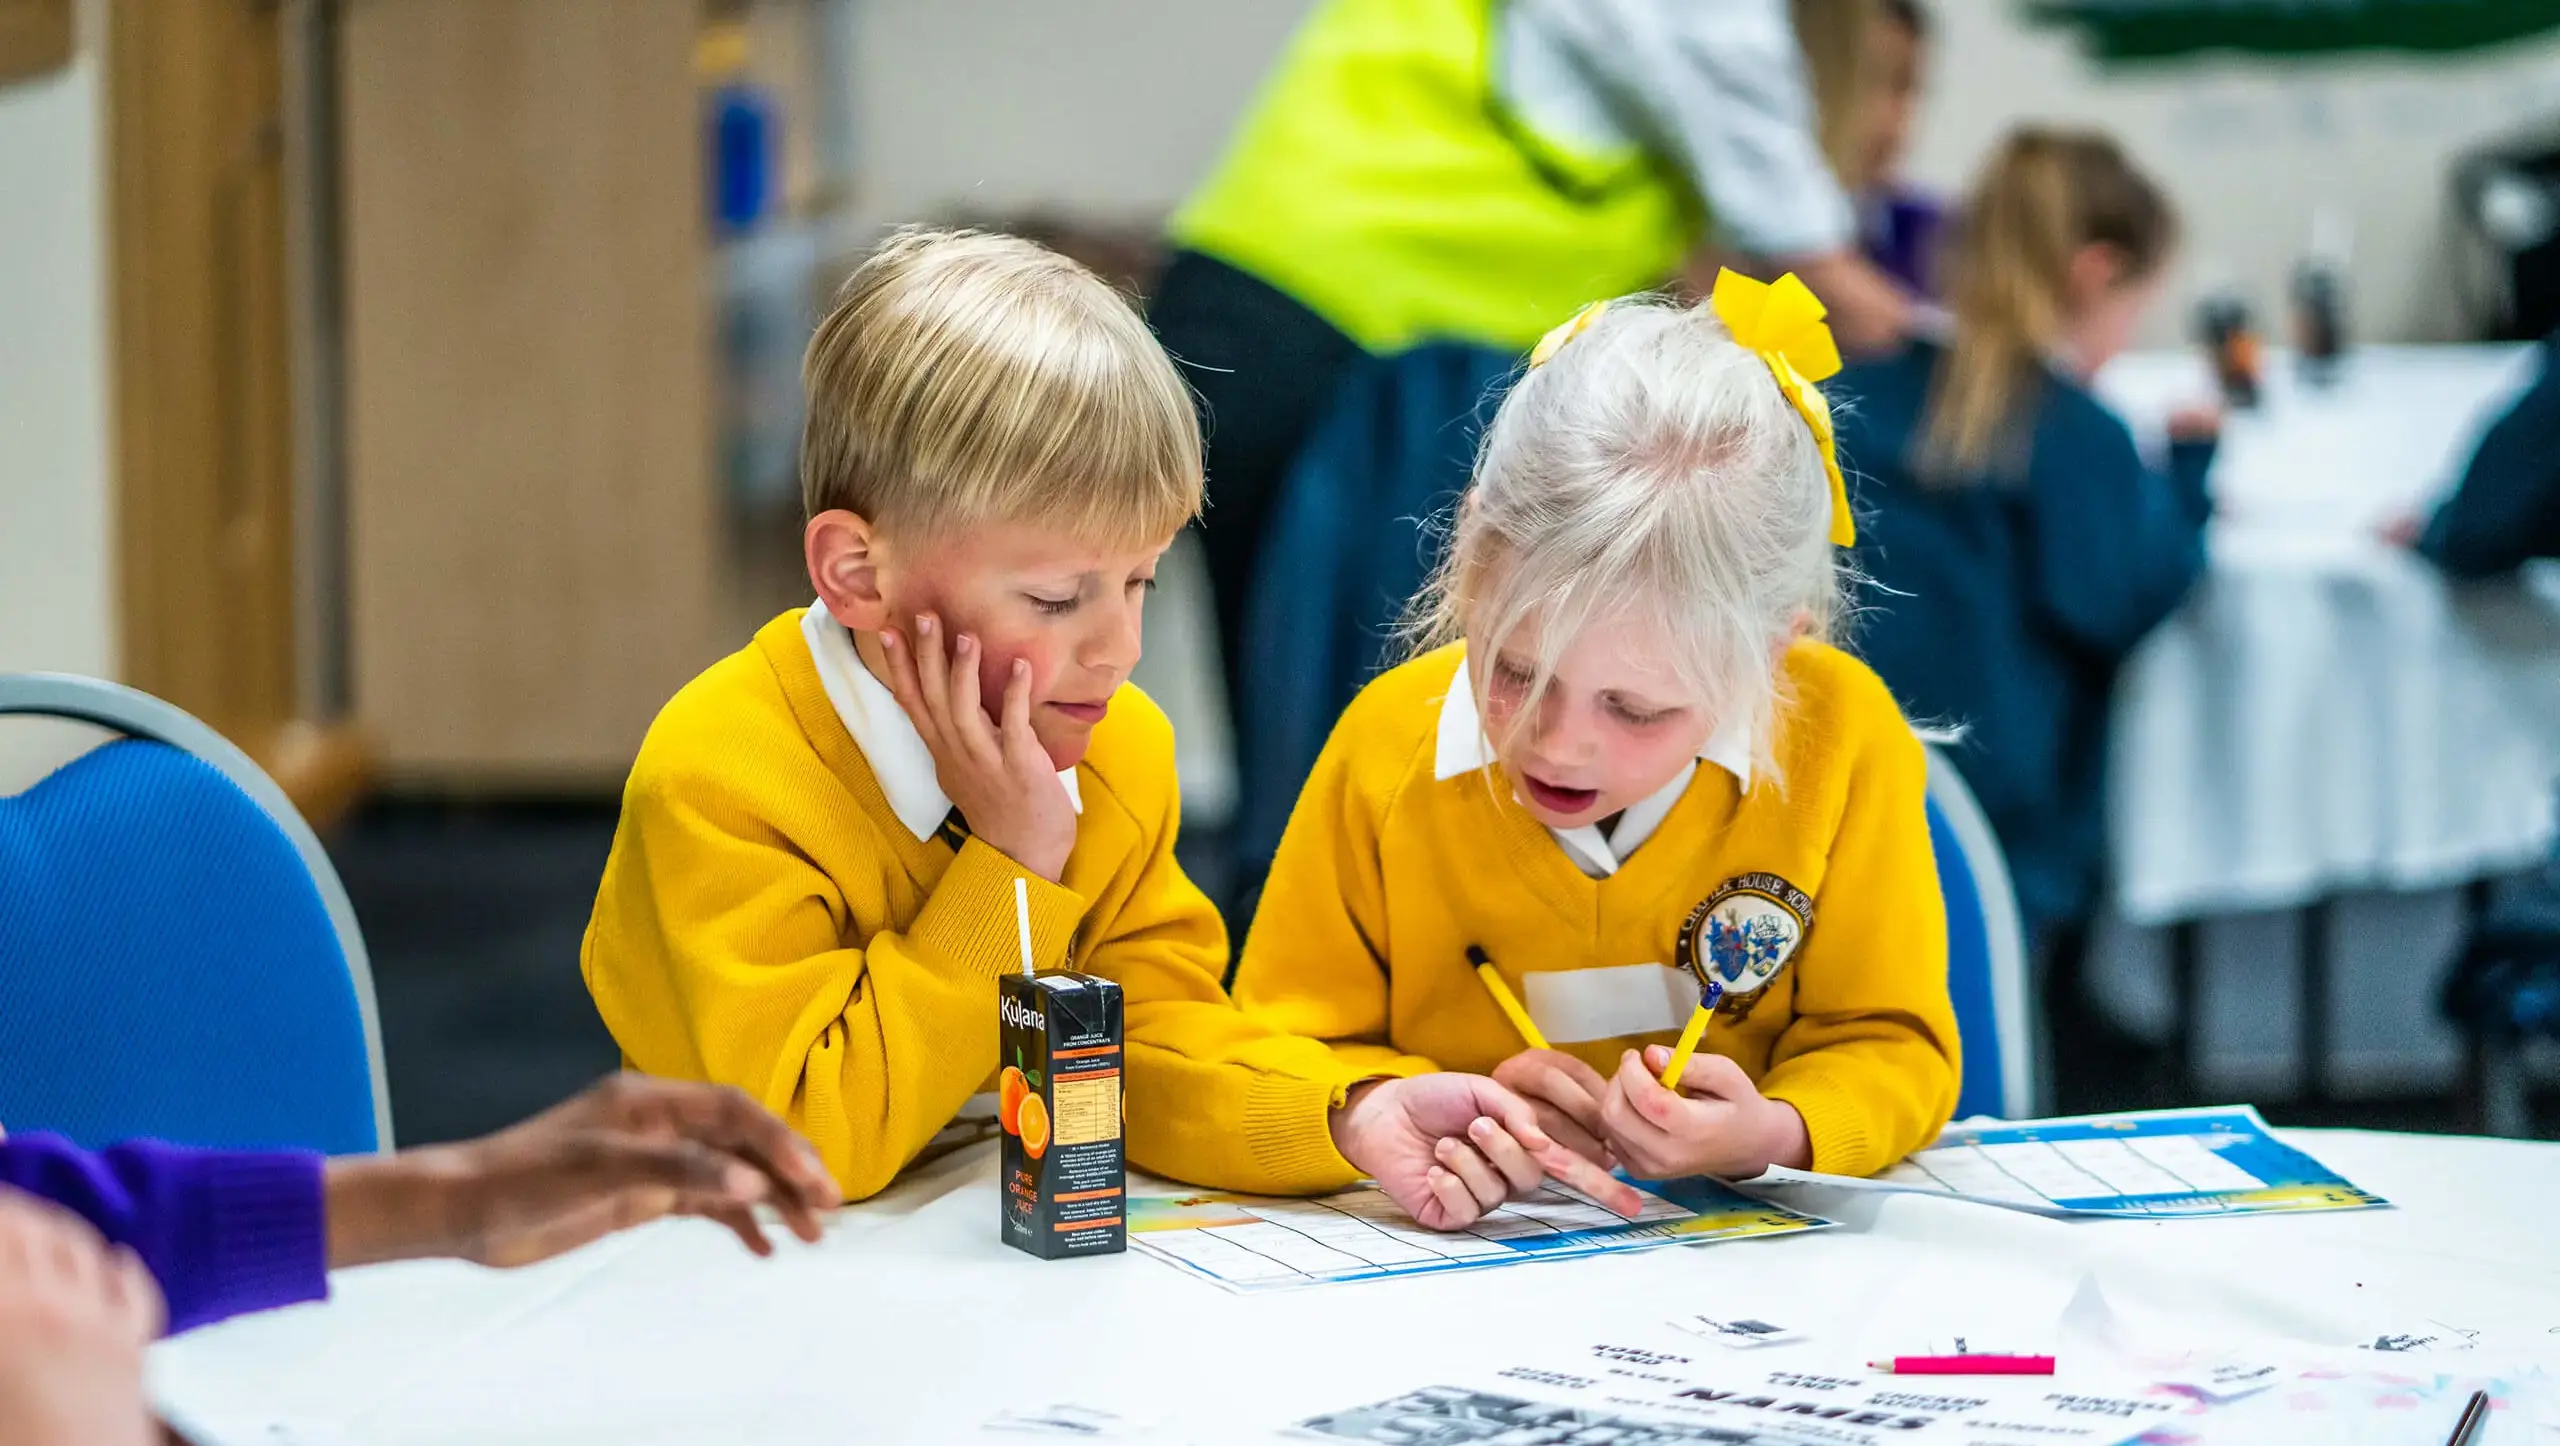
56 606
2250 147
1103 108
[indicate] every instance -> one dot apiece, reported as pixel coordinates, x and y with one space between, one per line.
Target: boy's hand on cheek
1565 1095
1451 1147
999 776
1718 1124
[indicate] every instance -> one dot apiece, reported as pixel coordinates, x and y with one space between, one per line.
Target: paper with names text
1652 1395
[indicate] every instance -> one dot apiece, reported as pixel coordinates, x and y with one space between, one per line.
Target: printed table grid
2082 1171
1366 1231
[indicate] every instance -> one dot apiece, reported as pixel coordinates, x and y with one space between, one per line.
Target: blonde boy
810 894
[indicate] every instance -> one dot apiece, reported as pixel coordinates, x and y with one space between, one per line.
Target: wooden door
532 521
35 37
201 370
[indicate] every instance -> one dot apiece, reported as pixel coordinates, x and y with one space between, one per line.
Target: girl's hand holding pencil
1718 1123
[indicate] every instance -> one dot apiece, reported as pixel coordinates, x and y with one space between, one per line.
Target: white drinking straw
1022 921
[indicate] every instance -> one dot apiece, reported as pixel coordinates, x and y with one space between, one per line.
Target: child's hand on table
1718 1124
629 1150
1565 1094
1451 1147
998 776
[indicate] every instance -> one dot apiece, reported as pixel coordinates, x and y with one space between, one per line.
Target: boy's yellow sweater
1387 874
766 921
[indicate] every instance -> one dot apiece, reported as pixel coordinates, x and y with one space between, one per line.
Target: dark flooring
472 915
473 912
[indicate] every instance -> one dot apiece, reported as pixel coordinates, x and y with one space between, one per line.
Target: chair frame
136 714
2011 997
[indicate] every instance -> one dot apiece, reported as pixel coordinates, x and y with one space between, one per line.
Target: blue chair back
177 957
1986 952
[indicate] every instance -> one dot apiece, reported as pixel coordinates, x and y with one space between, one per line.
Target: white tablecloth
911 1323
2326 712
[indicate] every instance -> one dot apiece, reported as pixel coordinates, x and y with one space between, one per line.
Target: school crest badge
1740 936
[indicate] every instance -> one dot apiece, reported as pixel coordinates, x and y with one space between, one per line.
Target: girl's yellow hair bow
1565 331
1782 321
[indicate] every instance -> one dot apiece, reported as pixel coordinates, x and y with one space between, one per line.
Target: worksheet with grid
1247 1242
2220 1161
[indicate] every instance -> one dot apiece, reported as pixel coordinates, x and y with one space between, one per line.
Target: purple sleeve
1900 231
225 1231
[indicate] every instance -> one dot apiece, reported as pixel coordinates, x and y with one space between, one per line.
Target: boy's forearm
1216 1107
905 1057
968 920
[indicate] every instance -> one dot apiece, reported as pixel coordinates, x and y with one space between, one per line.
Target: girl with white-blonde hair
1624 777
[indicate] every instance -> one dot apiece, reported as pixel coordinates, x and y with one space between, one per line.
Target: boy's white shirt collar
1463 748
883 731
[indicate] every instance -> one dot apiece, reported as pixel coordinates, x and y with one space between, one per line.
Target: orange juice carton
1064 1180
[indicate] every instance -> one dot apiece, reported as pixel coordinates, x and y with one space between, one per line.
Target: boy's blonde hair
1650 469
963 378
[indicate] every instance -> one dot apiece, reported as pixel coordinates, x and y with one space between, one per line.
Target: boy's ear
843 553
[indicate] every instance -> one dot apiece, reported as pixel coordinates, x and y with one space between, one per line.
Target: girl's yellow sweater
1387 873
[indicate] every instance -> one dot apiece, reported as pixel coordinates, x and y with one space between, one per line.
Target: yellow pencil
1688 1045
1501 993
1760 919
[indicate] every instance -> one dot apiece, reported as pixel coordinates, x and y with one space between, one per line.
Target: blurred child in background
2505 512
2018 544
